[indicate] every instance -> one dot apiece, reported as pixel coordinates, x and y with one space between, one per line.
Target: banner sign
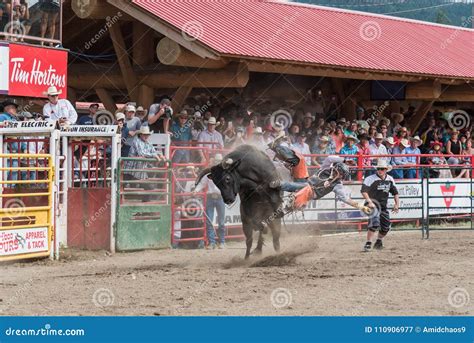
4 69
33 69
88 129
23 241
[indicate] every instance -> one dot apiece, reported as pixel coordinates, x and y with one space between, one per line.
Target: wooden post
106 99
146 95
419 115
143 44
180 97
128 75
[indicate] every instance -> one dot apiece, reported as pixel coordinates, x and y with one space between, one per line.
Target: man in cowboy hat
375 190
213 202
59 109
322 148
399 149
412 150
377 148
350 148
210 135
9 111
142 148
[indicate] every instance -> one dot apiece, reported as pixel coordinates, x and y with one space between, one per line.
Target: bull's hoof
257 252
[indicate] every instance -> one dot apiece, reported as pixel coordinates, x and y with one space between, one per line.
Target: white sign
88 130
4 75
23 241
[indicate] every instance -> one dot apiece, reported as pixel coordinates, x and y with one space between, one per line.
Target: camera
168 112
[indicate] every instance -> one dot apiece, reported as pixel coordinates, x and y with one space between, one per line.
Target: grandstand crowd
324 131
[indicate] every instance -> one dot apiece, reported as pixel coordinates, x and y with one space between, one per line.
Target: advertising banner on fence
4 69
23 241
33 69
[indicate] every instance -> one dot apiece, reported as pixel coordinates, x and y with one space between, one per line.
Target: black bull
248 171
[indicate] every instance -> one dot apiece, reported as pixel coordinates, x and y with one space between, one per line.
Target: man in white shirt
210 135
301 147
59 109
378 148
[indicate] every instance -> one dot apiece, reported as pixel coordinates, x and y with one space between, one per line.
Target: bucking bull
248 172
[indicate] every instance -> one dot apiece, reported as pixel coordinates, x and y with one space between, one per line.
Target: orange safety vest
300 171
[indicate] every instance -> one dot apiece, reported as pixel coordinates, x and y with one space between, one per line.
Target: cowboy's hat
145 130
324 139
354 138
212 121
52 91
258 130
308 115
378 136
382 164
416 138
398 116
130 108
390 140
405 143
9 102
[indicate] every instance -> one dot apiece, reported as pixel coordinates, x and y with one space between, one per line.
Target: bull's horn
227 163
202 174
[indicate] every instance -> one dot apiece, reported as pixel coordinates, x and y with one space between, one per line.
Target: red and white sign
448 190
33 69
23 241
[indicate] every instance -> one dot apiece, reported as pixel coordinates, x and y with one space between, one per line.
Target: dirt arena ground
313 276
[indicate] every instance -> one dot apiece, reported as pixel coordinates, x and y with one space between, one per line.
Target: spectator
213 202
160 115
239 138
413 149
89 118
350 148
143 149
397 118
372 132
389 144
210 135
307 126
293 132
322 148
453 150
10 113
364 149
50 12
59 109
257 138
133 124
338 139
142 114
181 135
123 131
352 129
428 135
222 125
401 134
439 162
465 159
398 149
377 149
384 129
302 147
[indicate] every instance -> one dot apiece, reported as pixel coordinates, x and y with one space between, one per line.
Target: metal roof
308 34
